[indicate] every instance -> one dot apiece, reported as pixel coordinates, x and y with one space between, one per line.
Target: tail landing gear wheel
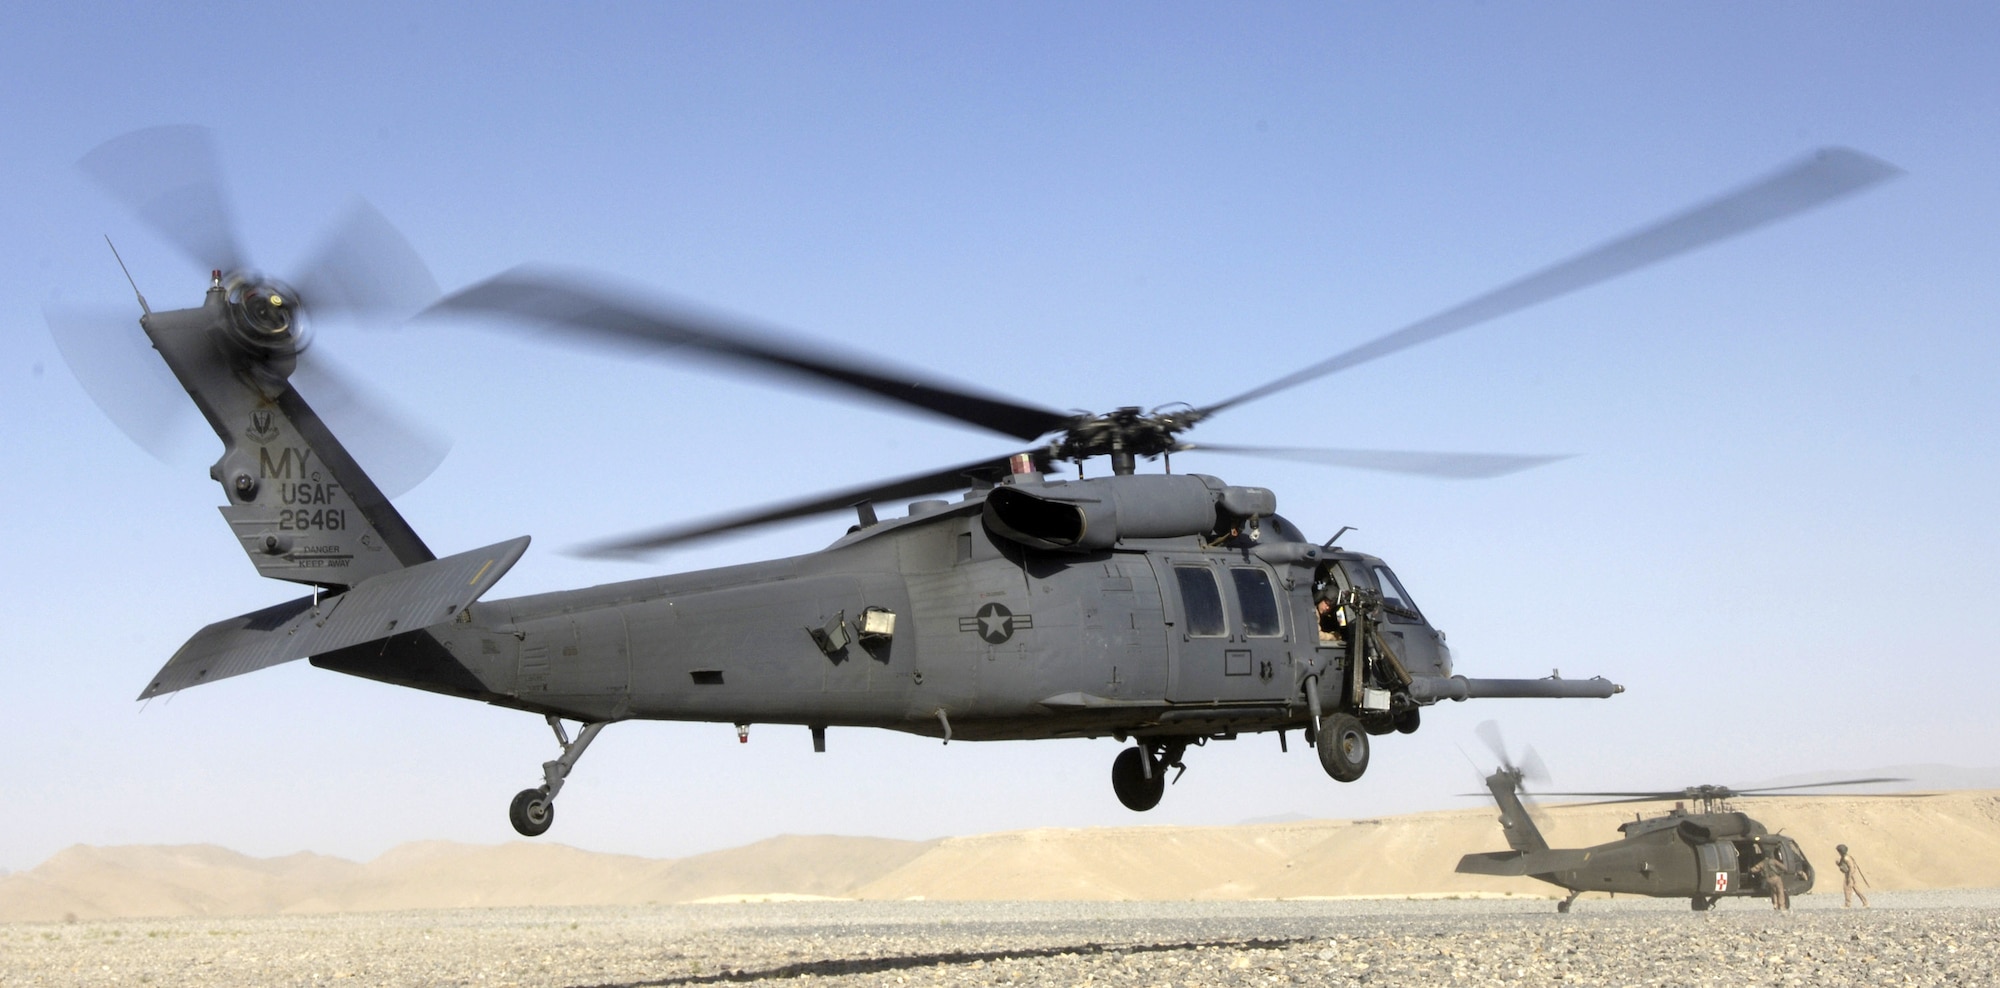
1129 781
532 812
535 809
1563 906
1343 747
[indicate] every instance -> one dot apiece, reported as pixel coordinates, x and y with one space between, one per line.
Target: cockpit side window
1257 601
1395 599
1201 602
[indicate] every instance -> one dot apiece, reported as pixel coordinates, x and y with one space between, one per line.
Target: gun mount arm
1430 688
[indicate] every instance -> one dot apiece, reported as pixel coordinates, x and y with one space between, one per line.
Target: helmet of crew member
1842 848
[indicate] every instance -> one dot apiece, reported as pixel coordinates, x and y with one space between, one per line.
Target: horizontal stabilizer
383 605
1494 863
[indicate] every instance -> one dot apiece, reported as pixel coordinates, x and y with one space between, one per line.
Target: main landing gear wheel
1130 779
1343 747
532 812
1701 903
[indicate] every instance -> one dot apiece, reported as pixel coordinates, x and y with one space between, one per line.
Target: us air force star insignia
995 623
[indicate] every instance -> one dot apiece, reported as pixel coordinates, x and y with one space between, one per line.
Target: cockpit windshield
1395 599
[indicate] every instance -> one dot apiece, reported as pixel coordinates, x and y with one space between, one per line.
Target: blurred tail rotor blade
171 177
1533 769
1457 466
397 454
118 368
1489 735
365 268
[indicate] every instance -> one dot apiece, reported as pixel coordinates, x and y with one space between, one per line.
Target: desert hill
1906 841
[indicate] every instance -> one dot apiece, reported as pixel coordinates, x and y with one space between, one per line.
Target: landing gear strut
1138 775
535 809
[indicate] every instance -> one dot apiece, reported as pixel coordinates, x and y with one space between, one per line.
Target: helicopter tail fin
301 507
1522 834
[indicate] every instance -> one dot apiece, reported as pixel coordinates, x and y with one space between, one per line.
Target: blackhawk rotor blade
935 482
1719 792
1827 175
1457 466
1814 785
566 302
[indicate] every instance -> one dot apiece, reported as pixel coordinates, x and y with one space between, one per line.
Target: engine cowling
1086 515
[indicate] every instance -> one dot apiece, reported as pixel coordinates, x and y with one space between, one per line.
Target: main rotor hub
1124 434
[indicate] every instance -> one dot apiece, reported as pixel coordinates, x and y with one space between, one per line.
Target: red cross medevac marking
1722 881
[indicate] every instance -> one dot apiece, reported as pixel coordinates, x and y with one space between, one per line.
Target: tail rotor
1527 768
361 270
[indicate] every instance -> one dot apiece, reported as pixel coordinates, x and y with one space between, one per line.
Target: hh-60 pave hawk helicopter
1168 609
1701 855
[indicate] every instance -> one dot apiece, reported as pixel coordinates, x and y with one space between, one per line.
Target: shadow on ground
904 962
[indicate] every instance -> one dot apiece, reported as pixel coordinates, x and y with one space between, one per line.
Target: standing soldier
1850 872
1772 874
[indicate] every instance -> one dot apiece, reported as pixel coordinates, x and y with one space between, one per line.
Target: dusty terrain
1949 840
1916 938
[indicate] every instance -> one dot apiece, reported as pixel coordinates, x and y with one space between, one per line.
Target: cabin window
1258 601
1401 608
1201 602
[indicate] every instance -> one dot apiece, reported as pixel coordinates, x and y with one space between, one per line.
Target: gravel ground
1918 938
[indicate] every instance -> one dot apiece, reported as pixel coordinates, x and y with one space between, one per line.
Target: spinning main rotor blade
1457 466
1720 792
171 178
1827 175
935 482
560 301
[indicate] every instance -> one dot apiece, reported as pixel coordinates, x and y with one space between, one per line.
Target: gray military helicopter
1167 609
1703 855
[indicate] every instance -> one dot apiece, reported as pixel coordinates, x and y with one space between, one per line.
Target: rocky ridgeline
1919 938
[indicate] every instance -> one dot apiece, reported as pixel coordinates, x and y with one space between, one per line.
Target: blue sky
1777 530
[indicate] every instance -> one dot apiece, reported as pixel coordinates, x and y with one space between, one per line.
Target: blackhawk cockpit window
1395 599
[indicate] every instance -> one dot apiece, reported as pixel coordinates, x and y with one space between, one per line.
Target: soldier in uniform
1850 873
1329 622
1772 874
